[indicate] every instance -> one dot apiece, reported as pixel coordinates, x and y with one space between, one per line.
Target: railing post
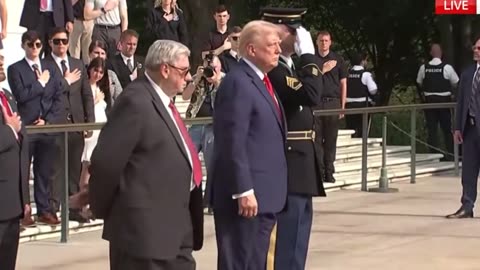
383 181
64 209
413 145
364 151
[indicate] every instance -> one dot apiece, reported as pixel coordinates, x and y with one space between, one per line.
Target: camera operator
201 93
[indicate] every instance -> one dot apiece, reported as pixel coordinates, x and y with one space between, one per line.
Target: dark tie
36 70
4 100
197 166
472 108
129 65
64 66
269 86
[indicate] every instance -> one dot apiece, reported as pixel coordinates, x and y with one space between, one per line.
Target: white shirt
448 72
368 81
59 60
234 54
1 105
38 63
49 6
125 60
166 102
287 60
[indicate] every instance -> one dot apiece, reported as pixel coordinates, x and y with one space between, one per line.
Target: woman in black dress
166 21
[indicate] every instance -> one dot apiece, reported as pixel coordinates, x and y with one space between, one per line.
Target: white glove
304 43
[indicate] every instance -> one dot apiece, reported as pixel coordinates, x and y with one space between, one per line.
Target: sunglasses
37 45
476 48
234 38
57 41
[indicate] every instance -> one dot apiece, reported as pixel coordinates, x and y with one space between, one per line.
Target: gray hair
164 52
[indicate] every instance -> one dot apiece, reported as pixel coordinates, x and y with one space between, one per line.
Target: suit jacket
142 189
35 101
228 61
78 97
299 90
62 13
122 71
464 96
14 168
249 147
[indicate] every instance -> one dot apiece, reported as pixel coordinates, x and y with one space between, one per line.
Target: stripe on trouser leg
271 249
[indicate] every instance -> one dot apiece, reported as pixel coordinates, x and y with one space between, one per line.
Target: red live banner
456 7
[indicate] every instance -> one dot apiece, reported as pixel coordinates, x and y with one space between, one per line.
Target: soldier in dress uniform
299 87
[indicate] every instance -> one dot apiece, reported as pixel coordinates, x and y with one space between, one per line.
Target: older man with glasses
156 164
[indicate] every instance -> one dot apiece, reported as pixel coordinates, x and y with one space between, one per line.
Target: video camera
208 70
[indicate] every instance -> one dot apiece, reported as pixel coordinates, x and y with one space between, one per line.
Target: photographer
201 93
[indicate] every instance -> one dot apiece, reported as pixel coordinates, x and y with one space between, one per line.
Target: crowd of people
265 153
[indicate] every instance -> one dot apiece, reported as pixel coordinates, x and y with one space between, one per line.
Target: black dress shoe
329 178
461 213
75 215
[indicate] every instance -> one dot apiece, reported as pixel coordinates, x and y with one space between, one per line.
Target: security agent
333 97
360 91
436 81
299 87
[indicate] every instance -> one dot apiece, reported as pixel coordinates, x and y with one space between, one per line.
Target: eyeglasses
57 41
235 38
183 71
476 48
37 45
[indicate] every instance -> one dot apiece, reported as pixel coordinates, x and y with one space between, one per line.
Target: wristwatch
103 10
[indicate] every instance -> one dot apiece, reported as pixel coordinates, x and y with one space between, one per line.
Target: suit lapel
263 90
162 111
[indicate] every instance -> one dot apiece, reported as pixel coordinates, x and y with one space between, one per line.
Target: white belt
443 94
361 99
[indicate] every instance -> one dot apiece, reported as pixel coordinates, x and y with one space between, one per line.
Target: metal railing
414 108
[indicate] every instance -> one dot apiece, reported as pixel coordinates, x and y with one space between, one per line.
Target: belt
326 99
107 26
301 135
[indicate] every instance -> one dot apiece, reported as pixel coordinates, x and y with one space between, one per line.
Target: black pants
326 135
44 26
76 144
470 165
121 260
9 237
110 35
355 121
442 118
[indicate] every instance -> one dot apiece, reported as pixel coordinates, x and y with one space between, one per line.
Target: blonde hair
174 5
254 31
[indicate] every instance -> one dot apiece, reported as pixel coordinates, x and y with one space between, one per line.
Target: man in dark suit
249 175
467 132
144 159
230 58
43 15
127 65
78 103
14 193
299 88
37 88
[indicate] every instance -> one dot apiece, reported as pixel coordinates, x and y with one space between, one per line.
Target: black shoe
329 179
74 215
461 213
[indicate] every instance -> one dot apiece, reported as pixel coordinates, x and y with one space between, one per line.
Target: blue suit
249 153
471 137
35 101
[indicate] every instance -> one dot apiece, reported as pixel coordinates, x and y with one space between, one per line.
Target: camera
208 70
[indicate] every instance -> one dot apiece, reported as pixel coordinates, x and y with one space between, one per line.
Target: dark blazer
249 150
78 97
35 101
228 61
299 91
464 95
159 28
14 168
62 13
141 177
122 71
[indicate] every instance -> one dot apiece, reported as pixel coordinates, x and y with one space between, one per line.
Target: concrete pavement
352 230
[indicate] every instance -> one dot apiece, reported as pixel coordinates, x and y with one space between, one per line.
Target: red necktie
43 4
4 100
269 86
197 166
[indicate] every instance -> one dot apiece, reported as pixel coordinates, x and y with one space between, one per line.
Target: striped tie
472 108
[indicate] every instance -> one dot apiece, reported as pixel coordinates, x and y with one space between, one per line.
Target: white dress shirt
59 60
166 102
448 73
287 60
368 81
234 54
38 63
125 61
